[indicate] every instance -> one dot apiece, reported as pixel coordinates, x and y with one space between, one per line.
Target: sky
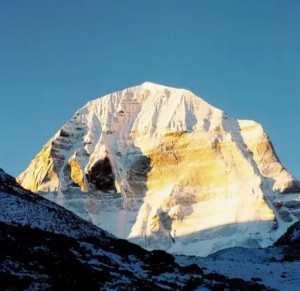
55 56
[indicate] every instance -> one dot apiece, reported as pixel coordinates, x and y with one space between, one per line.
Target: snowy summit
163 168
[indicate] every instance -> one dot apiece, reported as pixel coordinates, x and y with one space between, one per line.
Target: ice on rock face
165 169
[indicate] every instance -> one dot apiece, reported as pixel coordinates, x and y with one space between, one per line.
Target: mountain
46 247
161 167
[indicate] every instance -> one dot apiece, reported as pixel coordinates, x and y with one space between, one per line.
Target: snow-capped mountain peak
162 167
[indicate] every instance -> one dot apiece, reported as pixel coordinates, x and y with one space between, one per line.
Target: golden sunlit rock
77 175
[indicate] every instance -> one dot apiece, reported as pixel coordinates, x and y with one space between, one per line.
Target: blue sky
240 56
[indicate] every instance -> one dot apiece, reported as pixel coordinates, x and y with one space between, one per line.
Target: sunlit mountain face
161 167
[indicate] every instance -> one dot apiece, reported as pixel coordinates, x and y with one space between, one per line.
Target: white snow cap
162 167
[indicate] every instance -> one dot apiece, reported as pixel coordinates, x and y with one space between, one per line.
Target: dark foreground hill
45 247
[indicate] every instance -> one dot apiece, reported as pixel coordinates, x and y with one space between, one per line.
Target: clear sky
240 56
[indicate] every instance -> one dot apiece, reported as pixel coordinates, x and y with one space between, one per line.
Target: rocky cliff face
163 168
